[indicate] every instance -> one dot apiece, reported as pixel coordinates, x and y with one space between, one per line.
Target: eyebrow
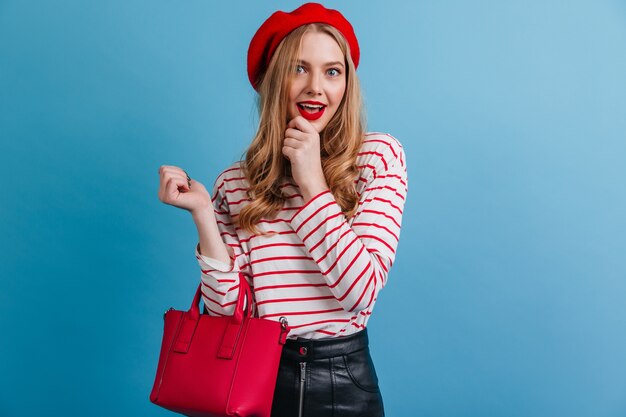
328 64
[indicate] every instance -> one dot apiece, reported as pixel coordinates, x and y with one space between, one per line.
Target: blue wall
508 294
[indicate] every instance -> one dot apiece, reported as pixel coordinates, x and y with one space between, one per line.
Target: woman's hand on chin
301 147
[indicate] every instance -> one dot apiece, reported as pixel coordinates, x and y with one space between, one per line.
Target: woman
311 216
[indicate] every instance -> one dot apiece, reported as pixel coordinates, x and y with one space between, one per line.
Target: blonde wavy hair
264 164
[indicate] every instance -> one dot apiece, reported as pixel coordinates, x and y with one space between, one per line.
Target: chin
321 123
319 127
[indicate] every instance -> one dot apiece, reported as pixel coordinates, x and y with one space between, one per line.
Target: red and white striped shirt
319 270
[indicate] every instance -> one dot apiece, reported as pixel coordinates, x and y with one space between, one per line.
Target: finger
163 169
287 151
165 172
168 175
294 141
173 187
166 168
295 134
188 178
178 183
301 124
170 183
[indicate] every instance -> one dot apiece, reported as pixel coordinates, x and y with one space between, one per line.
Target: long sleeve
355 257
220 282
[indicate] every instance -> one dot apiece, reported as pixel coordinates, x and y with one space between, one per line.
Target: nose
314 86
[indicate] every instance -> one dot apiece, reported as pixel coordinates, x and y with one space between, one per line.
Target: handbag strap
233 329
243 284
236 323
245 297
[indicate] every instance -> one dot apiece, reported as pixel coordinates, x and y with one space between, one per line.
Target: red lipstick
311 110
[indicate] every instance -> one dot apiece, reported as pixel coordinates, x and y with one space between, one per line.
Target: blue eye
299 69
333 72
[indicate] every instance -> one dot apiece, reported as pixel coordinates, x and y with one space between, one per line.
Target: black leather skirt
327 377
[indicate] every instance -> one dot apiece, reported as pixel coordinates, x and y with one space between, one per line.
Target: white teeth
312 106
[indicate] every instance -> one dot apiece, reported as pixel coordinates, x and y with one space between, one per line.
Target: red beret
280 24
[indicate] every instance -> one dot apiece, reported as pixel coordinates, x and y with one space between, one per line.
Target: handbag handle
245 295
233 329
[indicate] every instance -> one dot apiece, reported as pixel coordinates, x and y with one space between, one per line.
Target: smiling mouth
311 111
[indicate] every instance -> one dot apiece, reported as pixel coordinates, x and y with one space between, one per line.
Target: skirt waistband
303 350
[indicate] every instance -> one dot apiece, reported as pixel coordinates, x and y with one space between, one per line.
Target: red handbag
219 366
